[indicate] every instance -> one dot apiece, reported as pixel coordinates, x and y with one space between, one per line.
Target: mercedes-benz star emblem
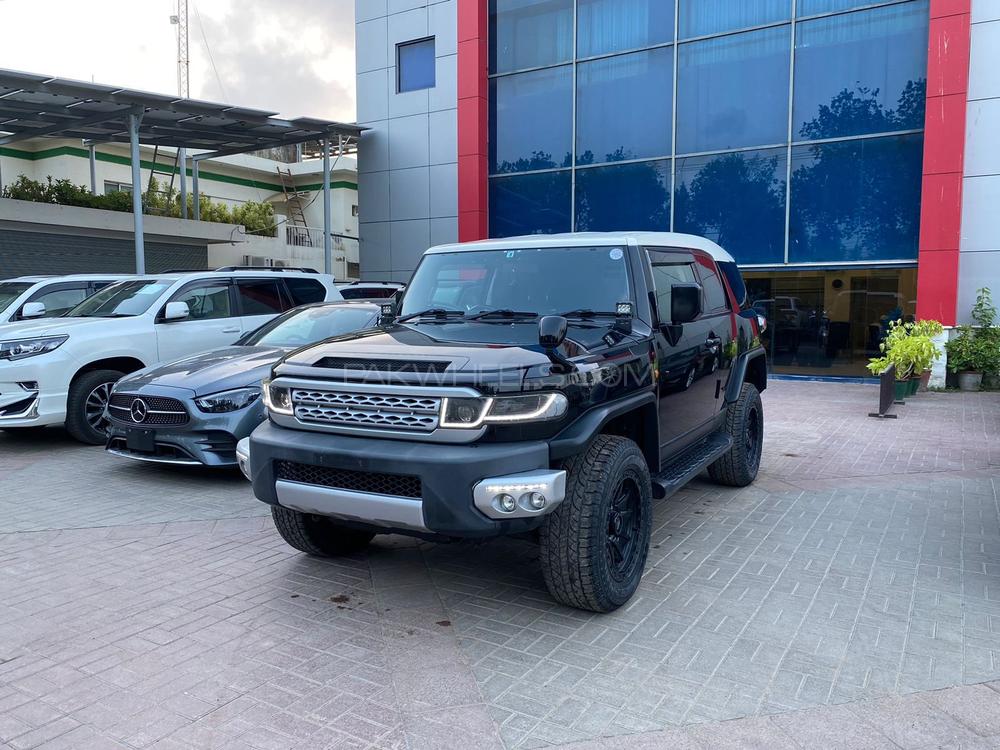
139 410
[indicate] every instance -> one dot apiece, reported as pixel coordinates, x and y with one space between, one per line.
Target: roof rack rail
376 281
181 270
273 269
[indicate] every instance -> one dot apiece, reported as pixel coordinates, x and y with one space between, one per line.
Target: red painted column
473 120
944 151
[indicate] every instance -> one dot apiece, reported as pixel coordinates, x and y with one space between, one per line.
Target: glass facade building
788 131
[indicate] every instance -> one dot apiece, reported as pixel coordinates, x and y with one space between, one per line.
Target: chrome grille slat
378 410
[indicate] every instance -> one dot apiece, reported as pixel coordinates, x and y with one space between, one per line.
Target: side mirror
685 303
176 311
32 310
552 331
387 313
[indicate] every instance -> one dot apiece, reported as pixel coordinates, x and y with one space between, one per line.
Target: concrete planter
925 379
969 381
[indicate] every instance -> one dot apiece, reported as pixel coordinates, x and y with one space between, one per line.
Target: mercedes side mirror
176 311
387 313
32 310
685 303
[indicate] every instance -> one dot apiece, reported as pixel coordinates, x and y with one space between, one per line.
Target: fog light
506 503
534 500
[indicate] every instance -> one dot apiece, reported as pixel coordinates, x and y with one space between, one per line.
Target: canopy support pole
327 221
183 161
93 169
133 137
194 189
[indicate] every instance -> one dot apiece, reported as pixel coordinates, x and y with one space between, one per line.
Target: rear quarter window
735 280
305 291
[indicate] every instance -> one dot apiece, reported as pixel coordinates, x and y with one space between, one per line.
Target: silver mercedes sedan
194 410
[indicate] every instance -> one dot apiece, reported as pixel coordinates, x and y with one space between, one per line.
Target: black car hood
464 345
211 371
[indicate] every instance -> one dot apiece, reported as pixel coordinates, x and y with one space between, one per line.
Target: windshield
124 299
309 325
10 291
546 281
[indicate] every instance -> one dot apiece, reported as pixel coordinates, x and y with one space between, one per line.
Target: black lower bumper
447 473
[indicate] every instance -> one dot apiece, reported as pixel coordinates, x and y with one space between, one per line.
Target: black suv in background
551 386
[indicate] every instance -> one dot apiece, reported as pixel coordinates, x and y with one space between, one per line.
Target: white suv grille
346 409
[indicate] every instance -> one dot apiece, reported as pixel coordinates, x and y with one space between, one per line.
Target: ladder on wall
170 172
297 229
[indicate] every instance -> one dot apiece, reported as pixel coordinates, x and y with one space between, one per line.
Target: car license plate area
139 440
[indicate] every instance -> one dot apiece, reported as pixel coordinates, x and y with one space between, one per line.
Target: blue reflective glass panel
703 17
733 91
624 197
623 106
856 200
737 200
861 72
532 120
617 25
812 7
415 65
530 204
529 33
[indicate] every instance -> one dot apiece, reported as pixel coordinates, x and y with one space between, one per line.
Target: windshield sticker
616 253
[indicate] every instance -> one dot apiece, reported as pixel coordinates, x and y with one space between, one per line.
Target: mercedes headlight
21 348
277 398
470 413
227 401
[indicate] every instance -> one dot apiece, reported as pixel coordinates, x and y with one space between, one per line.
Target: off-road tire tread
568 534
316 535
76 422
732 468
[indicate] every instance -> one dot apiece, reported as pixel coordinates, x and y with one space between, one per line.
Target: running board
689 464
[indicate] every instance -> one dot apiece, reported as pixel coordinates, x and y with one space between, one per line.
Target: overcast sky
294 57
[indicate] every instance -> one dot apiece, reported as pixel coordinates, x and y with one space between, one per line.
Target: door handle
230 330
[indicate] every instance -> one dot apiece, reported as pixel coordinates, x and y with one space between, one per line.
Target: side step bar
689 464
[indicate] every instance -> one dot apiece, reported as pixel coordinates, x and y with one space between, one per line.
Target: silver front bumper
365 507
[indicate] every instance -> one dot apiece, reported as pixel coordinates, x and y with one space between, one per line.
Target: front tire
318 536
594 545
745 425
88 398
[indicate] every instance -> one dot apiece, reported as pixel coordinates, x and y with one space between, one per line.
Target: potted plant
976 349
910 348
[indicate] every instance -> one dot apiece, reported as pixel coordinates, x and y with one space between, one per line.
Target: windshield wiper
588 313
504 313
433 312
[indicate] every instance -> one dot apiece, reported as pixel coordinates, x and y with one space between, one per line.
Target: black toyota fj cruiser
546 386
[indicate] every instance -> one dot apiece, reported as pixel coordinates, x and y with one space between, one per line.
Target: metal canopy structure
38 106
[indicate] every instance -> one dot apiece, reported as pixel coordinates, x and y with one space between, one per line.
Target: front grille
400 485
381 365
348 409
159 410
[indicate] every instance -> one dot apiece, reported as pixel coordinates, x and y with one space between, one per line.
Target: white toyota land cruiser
61 370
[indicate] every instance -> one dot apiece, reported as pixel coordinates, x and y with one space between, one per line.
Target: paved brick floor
850 598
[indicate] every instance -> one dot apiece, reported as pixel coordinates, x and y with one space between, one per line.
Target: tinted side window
305 291
669 269
261 297
207 302
735 280
61 301
715 293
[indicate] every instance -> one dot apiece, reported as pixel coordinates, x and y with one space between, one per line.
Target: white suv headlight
469 413
227 401
21 348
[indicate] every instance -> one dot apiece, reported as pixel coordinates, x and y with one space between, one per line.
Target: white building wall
408 160
979 260
262 173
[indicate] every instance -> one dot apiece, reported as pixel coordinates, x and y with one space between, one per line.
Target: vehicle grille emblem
139 410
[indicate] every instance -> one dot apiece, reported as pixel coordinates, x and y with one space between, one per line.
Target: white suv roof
589 239
67 277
